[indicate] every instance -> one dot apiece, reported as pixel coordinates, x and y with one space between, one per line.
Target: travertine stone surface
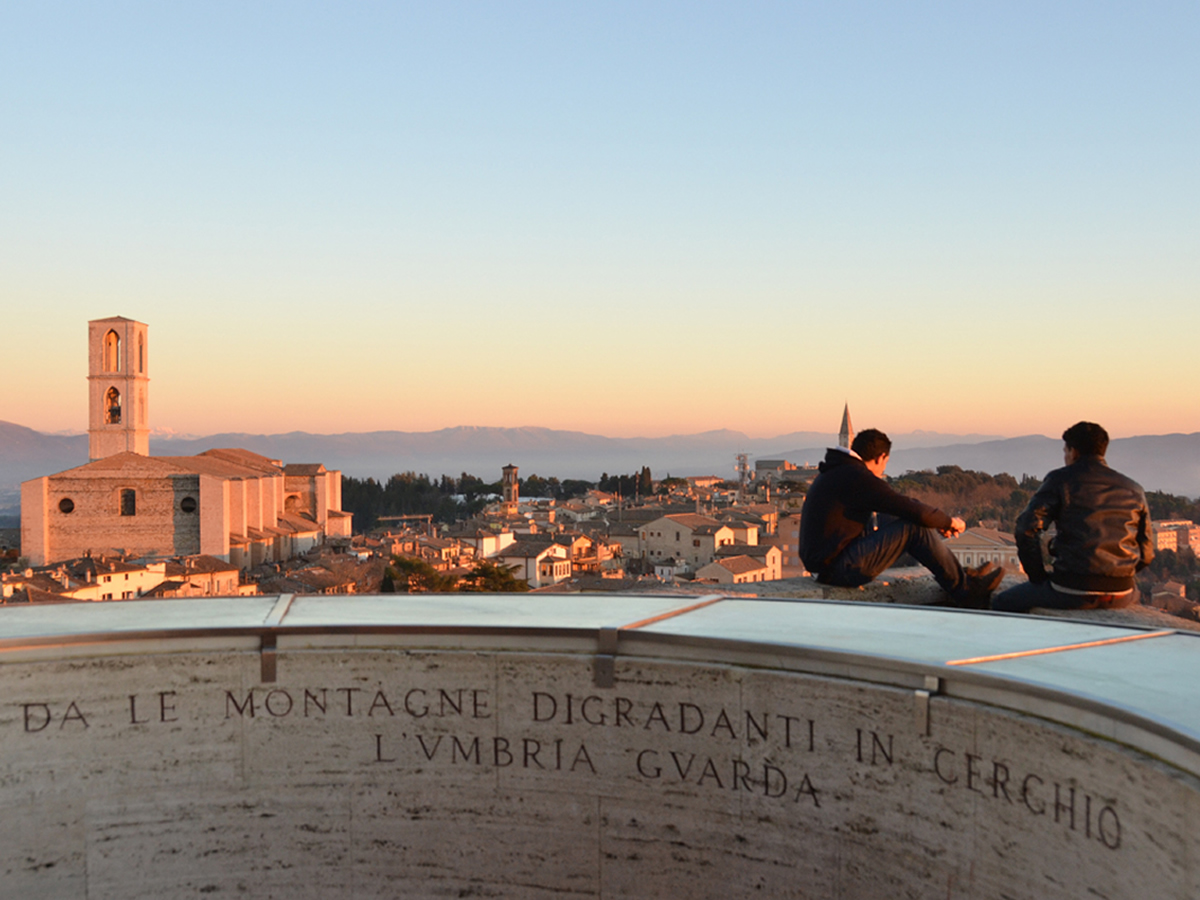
383 773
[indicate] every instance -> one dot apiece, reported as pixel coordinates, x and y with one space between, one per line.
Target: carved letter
583 755
641 769
426 750
446 701
68 716
761 729
937 765
877 745
1000 785
657 714
380 700
286 696
247 704
456 748
1059 807
1040 810
531 754
710 770
349 692
972 772
379 750
1111 841
683 773
538 696
583 711
806 787
768 771
319 704
683 722
479 705
787 729
624 705
29 723
723 722
133 719
500 746
741 773
408 704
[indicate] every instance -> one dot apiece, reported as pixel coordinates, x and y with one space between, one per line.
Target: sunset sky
623 218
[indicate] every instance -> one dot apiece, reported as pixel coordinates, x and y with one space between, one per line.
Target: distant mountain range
1168 462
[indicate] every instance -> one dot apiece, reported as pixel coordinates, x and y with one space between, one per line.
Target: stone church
233 504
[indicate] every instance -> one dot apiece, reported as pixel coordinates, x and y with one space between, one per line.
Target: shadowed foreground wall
170 769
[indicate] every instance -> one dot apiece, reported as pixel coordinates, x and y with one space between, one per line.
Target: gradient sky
623 218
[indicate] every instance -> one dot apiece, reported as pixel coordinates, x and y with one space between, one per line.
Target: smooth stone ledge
595 745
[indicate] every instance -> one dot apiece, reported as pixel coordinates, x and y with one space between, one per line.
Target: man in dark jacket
840 546
1103 532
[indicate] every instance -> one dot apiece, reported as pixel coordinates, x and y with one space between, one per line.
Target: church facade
237 505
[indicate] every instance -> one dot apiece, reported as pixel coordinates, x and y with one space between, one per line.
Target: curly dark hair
871 444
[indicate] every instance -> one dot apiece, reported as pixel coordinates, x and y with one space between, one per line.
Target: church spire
846 435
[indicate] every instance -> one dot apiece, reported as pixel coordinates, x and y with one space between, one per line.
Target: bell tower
118 383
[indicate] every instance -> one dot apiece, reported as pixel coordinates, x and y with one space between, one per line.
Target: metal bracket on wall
267 647
933 685
605 664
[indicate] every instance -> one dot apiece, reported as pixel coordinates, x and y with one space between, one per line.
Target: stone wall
444 773
159 527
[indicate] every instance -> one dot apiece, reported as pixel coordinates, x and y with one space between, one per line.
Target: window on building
141 355
128 502
677 535
112 352
112 406
188 504
66 505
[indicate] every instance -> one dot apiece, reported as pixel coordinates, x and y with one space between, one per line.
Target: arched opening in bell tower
112 406
112 352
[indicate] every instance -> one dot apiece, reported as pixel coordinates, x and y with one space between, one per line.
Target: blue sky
619 218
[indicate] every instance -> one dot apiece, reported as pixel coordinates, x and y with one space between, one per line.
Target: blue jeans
866 557
1024 597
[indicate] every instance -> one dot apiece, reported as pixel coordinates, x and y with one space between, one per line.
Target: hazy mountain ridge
1160 462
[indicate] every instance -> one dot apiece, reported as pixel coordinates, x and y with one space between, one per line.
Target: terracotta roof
293 524
207 564
739 565
246 458
304 469
526 549
756 550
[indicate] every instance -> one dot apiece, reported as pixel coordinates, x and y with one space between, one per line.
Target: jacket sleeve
1145 539
1043 508
885 500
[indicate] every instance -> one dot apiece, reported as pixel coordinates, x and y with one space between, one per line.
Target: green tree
486 575
412 575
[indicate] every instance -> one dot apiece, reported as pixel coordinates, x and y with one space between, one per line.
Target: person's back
1103 536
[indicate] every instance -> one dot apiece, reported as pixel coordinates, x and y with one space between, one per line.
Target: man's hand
957 527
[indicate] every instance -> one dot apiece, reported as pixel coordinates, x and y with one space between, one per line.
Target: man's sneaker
980 583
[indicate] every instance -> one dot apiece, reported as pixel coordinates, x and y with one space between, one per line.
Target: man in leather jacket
1103 532
840 545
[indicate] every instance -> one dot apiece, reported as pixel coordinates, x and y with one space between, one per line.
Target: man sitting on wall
1103 532
840 546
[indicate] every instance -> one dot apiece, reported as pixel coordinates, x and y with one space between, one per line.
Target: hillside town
230 522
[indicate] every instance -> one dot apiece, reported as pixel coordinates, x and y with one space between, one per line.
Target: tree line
449 499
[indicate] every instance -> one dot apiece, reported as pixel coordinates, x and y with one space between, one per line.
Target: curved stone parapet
593 746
